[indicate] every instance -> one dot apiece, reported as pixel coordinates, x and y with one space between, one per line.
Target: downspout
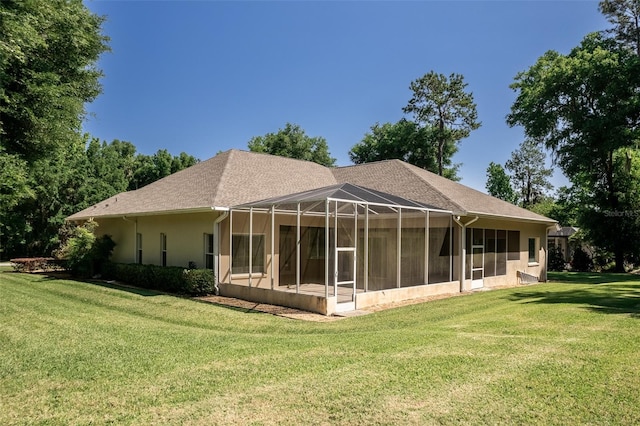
216 227
463 248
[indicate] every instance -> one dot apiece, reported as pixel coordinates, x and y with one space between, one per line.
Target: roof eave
154 213
542 220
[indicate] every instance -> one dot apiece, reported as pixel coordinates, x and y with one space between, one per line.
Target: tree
529 174
48 55
443 105
292 142
405 141
625 17
499 183
150 168
585 106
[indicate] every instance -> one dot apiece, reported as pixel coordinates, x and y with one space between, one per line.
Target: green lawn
557 353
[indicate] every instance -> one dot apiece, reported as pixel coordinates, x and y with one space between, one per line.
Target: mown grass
557 353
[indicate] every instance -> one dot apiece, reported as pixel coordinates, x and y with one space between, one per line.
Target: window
533 250
208 251
513 245
240 258
316 240
489 252
139 249
163 249
501 252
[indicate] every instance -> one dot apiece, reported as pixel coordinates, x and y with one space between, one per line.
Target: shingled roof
408 181
236 177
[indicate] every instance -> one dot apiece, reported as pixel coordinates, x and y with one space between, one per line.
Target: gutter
463 248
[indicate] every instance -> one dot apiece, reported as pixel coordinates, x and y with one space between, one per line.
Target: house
294 233
560 238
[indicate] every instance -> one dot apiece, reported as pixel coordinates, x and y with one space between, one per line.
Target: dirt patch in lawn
310 316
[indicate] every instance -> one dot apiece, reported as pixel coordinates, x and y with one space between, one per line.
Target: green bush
199 281
83 253
556 259
581 261
172 279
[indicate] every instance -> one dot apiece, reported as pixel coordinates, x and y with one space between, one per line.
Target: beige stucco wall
185 242
527 230
185 237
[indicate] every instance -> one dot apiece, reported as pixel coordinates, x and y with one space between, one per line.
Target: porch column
366 248
326 248
399 248
230 246
250 244
426 247
298 249
273 237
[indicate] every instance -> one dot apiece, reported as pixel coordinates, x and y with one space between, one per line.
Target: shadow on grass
59 275
603 293
591 277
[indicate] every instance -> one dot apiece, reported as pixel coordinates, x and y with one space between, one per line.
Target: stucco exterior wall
185 235
527 230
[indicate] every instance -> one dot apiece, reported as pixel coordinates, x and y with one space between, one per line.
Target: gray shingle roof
238 177
414 183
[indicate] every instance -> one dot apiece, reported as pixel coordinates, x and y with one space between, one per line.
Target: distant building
560 238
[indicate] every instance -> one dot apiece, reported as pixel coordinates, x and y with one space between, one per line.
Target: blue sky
206 76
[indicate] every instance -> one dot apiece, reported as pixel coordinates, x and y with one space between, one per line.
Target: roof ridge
243 151
369 162
229 153
410 167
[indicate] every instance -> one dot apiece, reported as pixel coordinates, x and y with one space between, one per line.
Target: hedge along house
294 233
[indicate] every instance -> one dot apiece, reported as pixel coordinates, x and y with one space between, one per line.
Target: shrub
199 281
556 259
192 282
31 264
83 252
581 261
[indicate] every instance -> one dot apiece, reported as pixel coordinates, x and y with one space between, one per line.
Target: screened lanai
341 241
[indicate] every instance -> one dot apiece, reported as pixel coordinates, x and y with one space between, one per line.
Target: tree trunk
619 260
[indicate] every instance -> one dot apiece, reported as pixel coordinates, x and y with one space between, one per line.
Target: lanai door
477 258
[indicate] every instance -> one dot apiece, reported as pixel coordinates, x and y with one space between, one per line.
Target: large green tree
48 72
624 15
293 142
529 175
585 106
444 105
48 55
499 183
406 141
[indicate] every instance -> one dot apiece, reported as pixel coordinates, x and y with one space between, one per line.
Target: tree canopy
48 72
529 175
585 107
404 140
293 142
499 183
444 105
48 168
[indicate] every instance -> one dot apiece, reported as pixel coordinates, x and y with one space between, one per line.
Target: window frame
139 248
209 255
533 256
163 249
256 268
